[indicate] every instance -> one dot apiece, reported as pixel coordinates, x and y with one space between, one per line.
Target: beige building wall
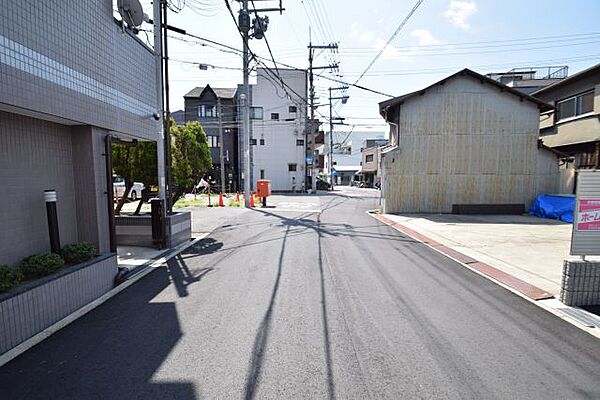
370 166
466 142
573 130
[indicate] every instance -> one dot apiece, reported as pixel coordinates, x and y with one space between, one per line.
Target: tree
190 156
134 162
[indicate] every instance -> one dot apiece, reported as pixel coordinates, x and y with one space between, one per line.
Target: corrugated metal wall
466 143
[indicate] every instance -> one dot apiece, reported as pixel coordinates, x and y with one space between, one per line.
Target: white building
278 120
347 153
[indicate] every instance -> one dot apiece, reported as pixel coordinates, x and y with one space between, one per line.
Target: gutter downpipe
380 161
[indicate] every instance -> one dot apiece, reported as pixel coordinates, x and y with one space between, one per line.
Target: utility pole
167 109
344 99
221 144
311 48
244 25
259 26
159 116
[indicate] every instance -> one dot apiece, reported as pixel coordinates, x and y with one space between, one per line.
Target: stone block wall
580 284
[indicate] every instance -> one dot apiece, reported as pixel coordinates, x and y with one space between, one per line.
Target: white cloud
389 52
425 37
366 37
459 11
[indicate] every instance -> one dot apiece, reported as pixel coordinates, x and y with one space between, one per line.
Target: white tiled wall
70 59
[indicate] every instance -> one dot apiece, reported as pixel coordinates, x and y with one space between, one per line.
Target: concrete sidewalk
529 248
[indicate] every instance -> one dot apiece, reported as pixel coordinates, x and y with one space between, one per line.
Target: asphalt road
290 303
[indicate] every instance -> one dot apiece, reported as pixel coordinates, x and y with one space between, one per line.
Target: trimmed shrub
41 264
78 252
9 277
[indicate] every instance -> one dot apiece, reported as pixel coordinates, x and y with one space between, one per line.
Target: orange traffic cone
251 199
221 200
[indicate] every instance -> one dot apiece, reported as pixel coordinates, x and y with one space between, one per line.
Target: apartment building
572 128
204 104
278 128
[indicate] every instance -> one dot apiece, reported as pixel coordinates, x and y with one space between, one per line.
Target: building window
369 158
206 111
213 141
262 174
292 167
293 109
576 105
299 142
262 142
275 116
252 142
256 113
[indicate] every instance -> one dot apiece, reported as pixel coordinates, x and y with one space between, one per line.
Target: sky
440 38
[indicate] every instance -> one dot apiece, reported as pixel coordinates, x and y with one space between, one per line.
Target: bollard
50 199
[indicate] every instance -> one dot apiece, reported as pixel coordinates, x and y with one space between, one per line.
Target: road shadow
331 229
182 277
113 352
263 331
262 334
325 321
202 247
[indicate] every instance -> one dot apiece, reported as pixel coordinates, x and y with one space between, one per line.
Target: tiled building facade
69 76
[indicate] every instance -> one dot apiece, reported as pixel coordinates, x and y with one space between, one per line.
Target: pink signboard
588 215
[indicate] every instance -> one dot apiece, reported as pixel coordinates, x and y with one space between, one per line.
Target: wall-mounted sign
585 237
588 215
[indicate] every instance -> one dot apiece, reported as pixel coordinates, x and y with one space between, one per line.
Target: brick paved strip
520 286
514 283
457 255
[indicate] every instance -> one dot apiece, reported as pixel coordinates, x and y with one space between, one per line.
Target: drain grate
581 316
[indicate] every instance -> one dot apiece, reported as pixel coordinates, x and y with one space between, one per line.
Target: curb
139 274
513 284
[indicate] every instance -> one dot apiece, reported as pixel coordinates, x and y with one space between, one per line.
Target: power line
404 21
257 57
267 69
432 54
260 22
469 45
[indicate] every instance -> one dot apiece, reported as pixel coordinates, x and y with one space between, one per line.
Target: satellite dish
131 11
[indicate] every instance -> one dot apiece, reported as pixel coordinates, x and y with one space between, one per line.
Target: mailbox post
263 189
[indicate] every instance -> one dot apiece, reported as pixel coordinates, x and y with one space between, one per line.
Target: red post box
263 188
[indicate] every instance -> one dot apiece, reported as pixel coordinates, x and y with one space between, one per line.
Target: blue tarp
554 207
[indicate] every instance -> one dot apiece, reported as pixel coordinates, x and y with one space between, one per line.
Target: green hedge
78 252
9 277
44 264
40 265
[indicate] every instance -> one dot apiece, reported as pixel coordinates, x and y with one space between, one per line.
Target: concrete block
580 284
